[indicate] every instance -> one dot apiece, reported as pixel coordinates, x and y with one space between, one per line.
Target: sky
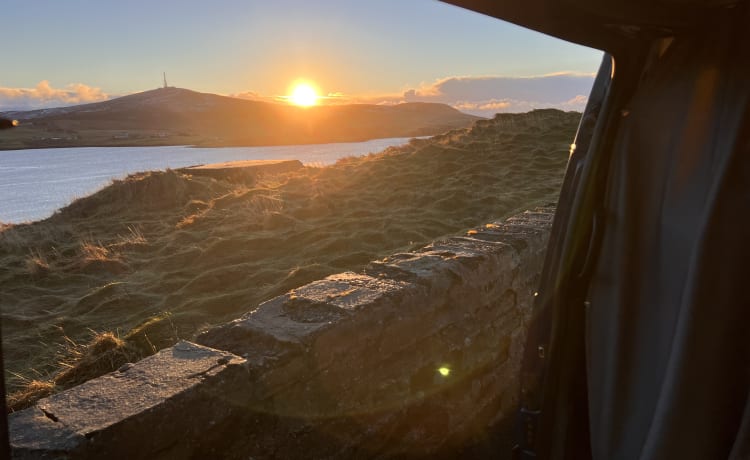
352 51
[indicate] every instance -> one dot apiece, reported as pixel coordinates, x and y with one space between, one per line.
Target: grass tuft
32 391
134 237
104 353
93 252
37 264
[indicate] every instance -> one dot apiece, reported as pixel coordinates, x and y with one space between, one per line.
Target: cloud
250 95
488 95
577 103
253 96
484 105
43 95
493 106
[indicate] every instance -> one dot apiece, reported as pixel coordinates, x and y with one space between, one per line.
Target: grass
95 252
104 352
36 263
207 250
32 391
134 237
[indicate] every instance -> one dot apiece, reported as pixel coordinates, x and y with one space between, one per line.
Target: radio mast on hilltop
165 79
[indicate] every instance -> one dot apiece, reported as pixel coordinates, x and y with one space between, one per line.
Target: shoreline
213 146
37 183
208 145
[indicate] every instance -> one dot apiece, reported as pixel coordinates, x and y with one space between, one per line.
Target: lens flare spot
444 371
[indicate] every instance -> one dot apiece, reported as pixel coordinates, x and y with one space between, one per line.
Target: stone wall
417 356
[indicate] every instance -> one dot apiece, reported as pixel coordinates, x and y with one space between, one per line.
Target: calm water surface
35 183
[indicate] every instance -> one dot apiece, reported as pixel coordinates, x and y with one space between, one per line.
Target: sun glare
303 94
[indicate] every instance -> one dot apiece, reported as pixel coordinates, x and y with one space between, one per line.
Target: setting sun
303 94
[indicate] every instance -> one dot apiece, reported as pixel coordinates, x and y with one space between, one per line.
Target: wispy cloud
45 95
251 95
490 105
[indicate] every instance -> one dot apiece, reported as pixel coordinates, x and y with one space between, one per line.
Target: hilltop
158 256
176 116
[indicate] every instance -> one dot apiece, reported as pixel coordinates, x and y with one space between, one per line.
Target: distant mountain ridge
180 116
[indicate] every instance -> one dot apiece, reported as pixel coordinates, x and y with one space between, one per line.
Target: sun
304 95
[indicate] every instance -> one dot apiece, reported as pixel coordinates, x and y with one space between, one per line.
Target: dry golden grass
93 252
36 263
205 250
134 237
31 392
105 352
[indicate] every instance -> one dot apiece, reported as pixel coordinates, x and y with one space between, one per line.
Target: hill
175 116
158 256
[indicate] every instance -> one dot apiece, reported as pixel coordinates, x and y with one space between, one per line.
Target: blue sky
380 51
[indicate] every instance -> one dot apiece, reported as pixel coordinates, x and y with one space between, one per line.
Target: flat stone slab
287 324
126 401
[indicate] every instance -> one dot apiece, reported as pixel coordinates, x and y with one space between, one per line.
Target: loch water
35 183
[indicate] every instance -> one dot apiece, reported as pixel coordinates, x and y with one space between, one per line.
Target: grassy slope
159 256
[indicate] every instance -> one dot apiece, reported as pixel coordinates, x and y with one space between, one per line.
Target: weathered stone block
287 325
144 410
